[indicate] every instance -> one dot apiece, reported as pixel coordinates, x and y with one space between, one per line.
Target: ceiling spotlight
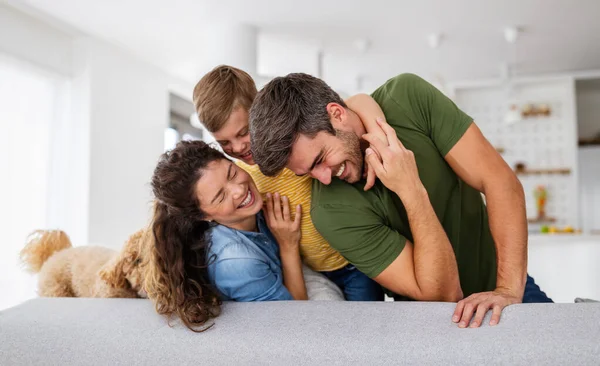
362 45
511 34
434 40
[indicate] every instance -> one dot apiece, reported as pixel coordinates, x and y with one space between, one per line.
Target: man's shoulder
395 85
400 81
402 99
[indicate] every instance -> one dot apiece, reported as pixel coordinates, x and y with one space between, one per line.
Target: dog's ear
113 272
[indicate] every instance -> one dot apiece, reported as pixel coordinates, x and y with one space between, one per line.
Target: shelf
563 233
589 142
540 119
563 171
541 220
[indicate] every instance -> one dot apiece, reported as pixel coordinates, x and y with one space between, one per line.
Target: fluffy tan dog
88 271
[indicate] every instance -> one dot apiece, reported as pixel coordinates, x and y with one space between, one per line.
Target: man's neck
357 125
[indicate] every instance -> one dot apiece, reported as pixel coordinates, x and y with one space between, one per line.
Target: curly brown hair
177 281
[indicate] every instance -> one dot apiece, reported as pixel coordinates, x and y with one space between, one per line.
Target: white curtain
30 101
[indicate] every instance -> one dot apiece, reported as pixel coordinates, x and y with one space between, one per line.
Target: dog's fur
88 271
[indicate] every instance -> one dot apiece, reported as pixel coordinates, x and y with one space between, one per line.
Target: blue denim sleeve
249 279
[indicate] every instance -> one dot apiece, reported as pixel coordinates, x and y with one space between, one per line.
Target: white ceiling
558 35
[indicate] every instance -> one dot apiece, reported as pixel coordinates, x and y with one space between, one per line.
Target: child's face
234 136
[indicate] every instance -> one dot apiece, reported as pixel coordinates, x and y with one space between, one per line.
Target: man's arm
435 268
383 254
427 270
477 163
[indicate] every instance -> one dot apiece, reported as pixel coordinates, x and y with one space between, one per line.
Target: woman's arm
369 112
242 277
293 279
287 233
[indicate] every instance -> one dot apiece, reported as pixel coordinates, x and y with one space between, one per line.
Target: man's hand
397 168
479 304
369 174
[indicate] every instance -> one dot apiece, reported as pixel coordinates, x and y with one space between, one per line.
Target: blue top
247 266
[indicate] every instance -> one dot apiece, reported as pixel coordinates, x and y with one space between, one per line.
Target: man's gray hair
285 108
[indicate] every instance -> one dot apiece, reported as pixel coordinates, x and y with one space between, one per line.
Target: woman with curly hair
213 242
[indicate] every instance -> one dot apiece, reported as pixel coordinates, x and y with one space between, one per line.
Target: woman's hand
284 229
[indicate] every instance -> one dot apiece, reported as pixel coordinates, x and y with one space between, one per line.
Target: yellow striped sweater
315 251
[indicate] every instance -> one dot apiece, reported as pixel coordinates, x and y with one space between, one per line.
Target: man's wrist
515 290
415 199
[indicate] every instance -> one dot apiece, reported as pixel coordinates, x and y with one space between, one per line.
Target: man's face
326 156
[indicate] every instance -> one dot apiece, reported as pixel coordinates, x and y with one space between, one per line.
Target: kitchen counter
566 266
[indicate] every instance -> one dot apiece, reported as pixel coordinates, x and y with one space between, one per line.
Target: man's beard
352 152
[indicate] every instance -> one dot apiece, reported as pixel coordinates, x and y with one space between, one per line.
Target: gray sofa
50 331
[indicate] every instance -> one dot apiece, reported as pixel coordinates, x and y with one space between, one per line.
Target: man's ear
337 115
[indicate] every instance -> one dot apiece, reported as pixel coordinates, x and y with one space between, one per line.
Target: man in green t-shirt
422 231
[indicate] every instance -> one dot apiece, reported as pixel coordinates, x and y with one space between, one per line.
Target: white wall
339 66
71 157
29 39
128 111
280 55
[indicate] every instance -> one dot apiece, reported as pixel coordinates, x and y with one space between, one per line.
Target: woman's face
227 194
234 136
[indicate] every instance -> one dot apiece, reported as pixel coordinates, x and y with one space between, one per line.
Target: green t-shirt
370 228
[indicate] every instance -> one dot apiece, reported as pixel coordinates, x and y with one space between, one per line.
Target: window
32 101
184 124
